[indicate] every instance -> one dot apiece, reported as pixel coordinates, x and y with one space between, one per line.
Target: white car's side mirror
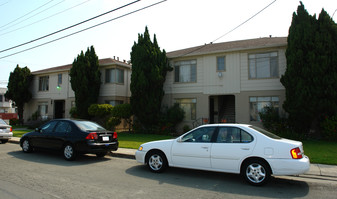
179 139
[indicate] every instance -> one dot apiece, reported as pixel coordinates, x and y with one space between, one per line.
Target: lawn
322 152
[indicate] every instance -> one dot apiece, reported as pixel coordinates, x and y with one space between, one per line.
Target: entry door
59 109
193 150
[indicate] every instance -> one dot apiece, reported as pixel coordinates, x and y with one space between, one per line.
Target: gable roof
102 62
229 46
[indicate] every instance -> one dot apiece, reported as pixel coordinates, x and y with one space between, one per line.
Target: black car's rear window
265 132
88 126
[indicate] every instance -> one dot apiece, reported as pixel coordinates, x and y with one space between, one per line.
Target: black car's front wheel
69 152
26 147
156 161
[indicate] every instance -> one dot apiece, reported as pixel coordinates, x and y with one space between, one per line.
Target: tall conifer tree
85 81
149 68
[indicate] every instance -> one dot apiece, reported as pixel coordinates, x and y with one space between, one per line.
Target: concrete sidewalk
315 169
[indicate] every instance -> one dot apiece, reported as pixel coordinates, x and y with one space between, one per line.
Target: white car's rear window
265 132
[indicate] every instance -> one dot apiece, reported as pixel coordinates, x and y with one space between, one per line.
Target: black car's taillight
114 136
92 136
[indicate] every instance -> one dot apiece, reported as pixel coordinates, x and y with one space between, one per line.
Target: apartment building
227 82
53 97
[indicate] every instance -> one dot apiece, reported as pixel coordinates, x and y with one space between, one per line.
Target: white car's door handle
204 147
246 149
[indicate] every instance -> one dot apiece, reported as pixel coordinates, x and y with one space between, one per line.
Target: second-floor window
263 65
44 83
185 71
221 63
59 79
114 75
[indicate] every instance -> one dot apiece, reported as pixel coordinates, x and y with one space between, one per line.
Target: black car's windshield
265 132
88 126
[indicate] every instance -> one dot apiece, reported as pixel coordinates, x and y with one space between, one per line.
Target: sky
26 26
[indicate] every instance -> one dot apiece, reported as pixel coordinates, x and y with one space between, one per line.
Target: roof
102 62
230 46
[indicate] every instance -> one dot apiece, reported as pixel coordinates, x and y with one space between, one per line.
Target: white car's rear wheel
256 172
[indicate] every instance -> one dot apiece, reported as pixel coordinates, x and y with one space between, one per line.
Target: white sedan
254 153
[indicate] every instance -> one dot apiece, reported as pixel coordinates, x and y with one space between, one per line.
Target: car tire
256 172
156 161
4 141
26 146
101 155
69 152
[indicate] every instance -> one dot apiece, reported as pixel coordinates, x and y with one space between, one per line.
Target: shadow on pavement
56 158
223 182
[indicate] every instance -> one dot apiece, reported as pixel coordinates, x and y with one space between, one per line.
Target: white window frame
263 65
114 75
256 105
189 105
185 71
44 83
221 64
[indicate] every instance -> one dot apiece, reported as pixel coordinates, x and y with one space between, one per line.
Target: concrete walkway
315 169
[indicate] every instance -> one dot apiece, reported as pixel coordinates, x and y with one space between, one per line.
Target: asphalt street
47 175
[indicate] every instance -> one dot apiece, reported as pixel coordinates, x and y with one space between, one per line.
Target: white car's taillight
296 153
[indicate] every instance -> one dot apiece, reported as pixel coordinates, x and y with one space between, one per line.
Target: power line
45 18
129 13
27 14
230 30
244 22
34 15
45 36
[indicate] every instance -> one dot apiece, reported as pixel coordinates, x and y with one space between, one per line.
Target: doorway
59 109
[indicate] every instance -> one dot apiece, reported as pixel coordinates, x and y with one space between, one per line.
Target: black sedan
72 136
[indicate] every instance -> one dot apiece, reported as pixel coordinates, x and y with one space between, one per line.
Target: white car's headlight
140 148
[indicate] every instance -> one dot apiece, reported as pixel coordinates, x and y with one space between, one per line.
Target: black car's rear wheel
69 152
101 155
156 161
26 147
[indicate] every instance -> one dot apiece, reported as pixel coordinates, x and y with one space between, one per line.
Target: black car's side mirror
38 130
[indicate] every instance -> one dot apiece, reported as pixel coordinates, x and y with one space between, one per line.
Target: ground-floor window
43 110
189 106
258 103
114 102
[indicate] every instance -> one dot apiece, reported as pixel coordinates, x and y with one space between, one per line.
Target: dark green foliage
311 75
101 113
18 88
329 126
100 110
149 68
272 121
123 112
13 122
73 112
85 81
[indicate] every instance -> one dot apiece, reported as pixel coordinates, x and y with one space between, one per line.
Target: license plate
105 138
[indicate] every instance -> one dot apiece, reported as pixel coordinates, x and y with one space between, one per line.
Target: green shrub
73 112
13 121
100 110
329 128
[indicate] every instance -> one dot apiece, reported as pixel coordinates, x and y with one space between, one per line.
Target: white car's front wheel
156 161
